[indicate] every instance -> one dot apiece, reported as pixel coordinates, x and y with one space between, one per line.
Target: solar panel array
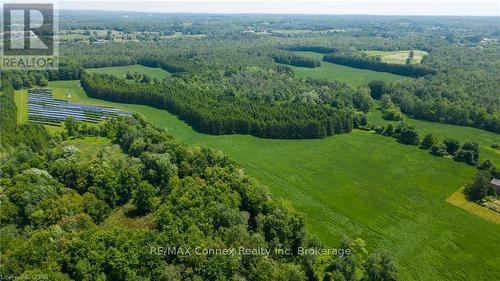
45 109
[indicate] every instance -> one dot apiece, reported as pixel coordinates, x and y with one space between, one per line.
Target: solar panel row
44 108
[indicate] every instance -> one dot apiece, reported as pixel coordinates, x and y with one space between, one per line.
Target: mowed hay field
330 71
361 185
121 71
399 57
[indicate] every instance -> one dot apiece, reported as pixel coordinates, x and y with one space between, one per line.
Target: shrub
438 150
409 136
389 131
392 113
464 156
428 141
487 165
452 146
469 153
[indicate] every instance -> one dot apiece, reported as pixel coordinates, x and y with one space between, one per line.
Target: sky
367 7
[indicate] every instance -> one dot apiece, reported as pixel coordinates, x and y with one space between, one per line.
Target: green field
399 57
21 100
362 185
330 71
121 71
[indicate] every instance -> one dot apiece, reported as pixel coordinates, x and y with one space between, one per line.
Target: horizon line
276 14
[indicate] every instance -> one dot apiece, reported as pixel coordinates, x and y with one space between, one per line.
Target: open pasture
330 72
121 71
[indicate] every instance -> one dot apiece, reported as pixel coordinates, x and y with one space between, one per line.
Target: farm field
121 71
399 57
330 71
361 185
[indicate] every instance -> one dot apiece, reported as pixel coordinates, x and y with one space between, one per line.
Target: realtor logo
28 32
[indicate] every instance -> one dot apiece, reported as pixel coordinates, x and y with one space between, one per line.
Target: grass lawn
399 57
121 71
463 134
361 185
330 71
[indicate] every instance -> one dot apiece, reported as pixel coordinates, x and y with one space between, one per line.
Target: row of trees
467 153
213 112
309 48
67 70
366 62
296 60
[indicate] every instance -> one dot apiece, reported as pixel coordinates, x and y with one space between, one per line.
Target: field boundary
458 199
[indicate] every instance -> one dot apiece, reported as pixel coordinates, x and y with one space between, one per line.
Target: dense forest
215 113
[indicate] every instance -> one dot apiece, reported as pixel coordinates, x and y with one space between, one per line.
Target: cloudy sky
373 7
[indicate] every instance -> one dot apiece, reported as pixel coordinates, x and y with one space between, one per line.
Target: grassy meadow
121 71
330 71
361 185
399 57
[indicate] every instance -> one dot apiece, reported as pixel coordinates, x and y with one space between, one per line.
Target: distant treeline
372 64
316 49
211 111
296 60
145 60
155 61
68 70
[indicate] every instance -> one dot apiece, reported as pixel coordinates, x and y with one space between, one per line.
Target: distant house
496 183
